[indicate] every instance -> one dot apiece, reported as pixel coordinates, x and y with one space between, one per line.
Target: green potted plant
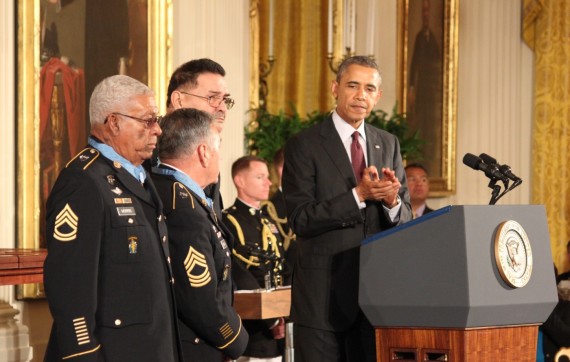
267 133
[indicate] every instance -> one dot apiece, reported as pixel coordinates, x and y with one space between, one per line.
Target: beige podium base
488 344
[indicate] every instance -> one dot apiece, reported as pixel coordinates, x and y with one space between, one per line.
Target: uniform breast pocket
128 240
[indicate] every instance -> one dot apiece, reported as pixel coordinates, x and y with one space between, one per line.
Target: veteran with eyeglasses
107 275
201 84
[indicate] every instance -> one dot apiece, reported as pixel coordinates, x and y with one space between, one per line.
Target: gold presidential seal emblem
513 254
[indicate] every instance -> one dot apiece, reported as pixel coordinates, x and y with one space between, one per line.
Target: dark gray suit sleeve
316 203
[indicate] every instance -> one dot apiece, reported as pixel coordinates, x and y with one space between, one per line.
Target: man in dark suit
332 208
107 277
201 258
201 84
418 184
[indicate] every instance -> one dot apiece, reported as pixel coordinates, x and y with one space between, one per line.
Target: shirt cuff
395 211
361 205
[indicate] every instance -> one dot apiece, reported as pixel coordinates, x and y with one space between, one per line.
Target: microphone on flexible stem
490 170
504 169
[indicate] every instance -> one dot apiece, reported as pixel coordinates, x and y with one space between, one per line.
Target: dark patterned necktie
357 156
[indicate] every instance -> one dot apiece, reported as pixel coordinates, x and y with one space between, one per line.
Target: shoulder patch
181 194
84 159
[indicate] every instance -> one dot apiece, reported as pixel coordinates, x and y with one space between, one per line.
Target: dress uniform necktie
357 156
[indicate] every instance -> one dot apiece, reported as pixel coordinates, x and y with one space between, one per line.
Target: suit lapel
373 148
334 147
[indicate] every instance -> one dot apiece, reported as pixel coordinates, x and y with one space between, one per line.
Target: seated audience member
258 252
275 207
418 184
556 330
189 150
566 275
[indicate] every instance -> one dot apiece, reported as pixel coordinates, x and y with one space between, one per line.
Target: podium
263 304
463 283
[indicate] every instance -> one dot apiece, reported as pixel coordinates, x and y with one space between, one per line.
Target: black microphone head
472 161
487 159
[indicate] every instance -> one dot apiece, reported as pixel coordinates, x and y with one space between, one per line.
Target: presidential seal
513 254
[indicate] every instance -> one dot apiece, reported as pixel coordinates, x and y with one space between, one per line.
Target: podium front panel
440 271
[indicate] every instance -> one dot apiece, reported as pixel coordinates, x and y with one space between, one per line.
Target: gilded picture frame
427 61
154 16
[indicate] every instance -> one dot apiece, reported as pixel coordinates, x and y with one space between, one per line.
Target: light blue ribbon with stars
108 151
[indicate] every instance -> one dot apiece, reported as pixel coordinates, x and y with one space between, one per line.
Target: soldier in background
276 209
258 252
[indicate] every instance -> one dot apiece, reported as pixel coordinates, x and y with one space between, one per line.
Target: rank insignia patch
133 244
197 268
81 331
226 331
66 223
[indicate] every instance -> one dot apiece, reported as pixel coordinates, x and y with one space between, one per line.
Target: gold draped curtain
301 77
546 29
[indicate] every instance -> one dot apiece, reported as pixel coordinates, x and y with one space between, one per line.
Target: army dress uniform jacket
201 262
247 226
107 279
275 208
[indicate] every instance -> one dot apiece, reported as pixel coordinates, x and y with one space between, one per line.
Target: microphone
491 170
504 169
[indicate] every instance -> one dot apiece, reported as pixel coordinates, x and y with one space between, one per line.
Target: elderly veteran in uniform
258 250
107 275
189 150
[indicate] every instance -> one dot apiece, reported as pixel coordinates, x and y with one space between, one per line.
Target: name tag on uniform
126 211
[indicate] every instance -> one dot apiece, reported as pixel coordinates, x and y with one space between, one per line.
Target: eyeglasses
215 101
148 123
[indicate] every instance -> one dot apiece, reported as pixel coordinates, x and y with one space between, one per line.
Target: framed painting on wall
427 84
66 47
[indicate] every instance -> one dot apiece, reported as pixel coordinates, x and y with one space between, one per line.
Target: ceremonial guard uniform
201 261
276 209
255 233
107 279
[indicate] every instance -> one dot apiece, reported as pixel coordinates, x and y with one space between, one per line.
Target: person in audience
258 253
107 278
275 207
566 275
556 330
418 184
343 180
189 150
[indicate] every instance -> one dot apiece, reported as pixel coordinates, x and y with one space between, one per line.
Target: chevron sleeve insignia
197 268
66 223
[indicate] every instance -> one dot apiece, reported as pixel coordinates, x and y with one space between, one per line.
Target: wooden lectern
262 304
463 283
